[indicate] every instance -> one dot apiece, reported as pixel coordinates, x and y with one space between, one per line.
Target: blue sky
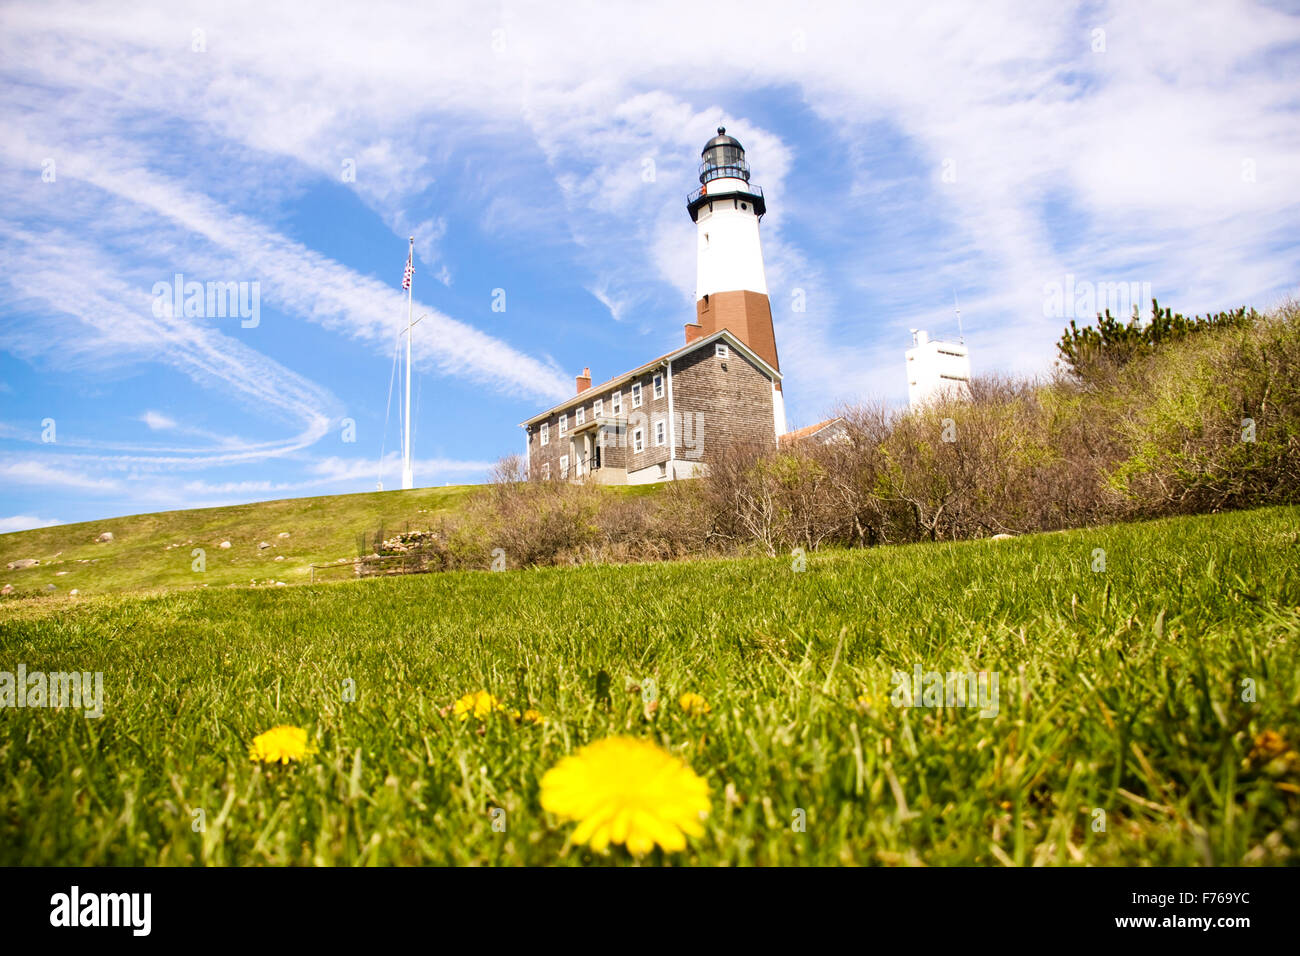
907 152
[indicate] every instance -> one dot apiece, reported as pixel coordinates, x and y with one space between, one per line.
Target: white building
936 369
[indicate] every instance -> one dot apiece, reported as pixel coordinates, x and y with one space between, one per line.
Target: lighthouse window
720 350
636 395
564 423
616 403
597 408
638 440
580 415
564 466
546 434
660 433
659 386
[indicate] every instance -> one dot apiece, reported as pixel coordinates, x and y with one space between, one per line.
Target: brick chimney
584 380
693 331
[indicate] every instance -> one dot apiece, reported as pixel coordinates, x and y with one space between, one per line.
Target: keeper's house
663 420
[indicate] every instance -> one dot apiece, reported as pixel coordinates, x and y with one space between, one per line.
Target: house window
564 423
638 440
546 471
616 403
661 433
659 386
720 350
564 466
598 408
636 395
546 434
580 415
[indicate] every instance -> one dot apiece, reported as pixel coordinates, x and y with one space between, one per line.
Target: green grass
155 550
1119 691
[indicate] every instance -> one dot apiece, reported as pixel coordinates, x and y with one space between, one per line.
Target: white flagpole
408 477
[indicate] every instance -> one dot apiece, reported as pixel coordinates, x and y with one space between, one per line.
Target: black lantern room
724 158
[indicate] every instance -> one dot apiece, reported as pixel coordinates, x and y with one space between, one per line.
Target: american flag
406 277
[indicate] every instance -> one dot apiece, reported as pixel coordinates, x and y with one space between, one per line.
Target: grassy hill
1146 713
154 550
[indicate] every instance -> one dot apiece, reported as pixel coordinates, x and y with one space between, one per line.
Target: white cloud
37 474
157 421
25 523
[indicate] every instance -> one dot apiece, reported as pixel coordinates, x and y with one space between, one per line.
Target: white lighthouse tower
730 285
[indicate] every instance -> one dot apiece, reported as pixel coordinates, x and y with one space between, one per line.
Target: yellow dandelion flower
693 704
626 790
1272 754
282 744
1268 744
530 716
478 704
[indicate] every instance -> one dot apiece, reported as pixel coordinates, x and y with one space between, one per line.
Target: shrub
1185 416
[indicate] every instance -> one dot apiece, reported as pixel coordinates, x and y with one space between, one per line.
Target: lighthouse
676 415
730 284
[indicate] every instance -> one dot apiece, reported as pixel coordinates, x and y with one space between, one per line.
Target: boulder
1002 537
104 538
224 544
74 591
263 545
283 534
7 589
23 563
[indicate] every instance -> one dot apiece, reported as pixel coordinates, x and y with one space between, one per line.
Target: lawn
158 550
1146 713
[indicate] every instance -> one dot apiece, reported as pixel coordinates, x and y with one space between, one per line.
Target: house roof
664 359
808 431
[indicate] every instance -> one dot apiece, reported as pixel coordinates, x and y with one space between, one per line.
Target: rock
262 545
104 538
279 584
7 589
279 557
59 574
224 544
50 587
23 563
74 591
283 534
1001 537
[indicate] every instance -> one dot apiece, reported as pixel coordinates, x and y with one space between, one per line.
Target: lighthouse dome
722 139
